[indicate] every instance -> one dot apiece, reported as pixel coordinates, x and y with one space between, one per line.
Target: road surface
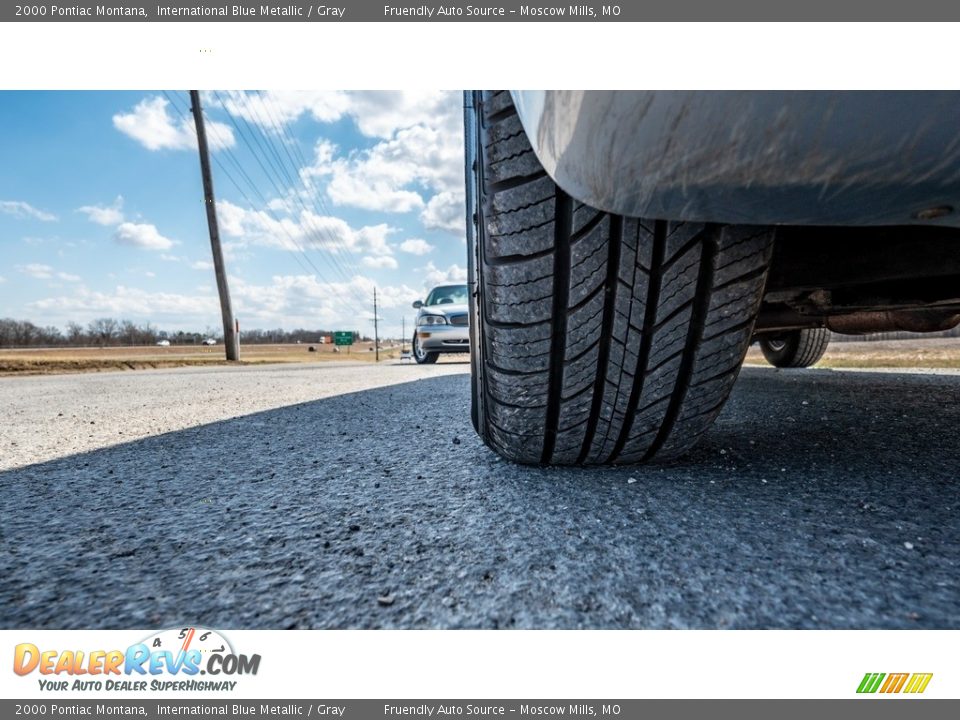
821 499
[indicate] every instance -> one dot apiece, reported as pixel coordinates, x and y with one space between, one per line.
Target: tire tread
609 339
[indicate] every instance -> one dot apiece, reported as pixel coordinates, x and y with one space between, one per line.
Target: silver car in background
442 324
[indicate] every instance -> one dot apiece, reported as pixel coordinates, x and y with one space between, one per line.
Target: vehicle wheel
795 349
600 338
422 356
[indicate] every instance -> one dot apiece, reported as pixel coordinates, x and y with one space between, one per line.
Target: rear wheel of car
422 356
795 349
600 338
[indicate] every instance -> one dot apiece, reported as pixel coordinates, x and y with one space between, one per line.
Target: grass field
60 360
924 353
932 353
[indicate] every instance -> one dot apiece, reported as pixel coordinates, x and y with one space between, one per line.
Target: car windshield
448 294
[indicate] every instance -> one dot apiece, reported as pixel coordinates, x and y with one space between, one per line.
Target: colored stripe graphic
870 682
894 682
918 683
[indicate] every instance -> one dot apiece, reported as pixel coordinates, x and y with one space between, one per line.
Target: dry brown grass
64 360
932 353
922 353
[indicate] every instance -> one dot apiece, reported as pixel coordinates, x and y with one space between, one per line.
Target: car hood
445 309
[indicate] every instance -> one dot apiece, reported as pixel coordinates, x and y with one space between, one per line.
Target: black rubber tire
600 338
424 358
795 349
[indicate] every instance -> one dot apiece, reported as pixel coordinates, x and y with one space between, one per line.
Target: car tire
422 356
599 338
795 349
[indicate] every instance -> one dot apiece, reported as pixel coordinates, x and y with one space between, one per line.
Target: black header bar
459 11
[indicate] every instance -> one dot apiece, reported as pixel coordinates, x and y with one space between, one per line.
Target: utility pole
376 331
403 334
231 339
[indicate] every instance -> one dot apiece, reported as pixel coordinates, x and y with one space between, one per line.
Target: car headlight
431 320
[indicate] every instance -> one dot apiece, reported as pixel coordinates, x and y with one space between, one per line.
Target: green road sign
343 337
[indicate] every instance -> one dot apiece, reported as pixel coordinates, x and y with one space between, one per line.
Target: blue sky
321 196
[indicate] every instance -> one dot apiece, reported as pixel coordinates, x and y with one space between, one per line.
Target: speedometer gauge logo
185 639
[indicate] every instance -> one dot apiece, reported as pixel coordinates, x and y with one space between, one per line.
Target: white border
556 664
546 664
458 55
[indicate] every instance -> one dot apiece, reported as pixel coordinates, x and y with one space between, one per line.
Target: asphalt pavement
820 499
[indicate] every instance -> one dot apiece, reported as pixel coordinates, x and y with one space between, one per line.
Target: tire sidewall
801 348
783 356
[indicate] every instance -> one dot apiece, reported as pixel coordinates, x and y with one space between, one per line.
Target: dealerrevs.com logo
912 683
169 660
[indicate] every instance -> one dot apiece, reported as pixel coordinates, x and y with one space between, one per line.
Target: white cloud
291 301
2 279
284 106
40 271
381 113
142 235
433 276
201 265
377 113
417 165
257 226
304 231
170 309
287 301
416 246
24 210
36 270
392 175
152 126
110 215
285 205
364 185
324 152
445 211
381 262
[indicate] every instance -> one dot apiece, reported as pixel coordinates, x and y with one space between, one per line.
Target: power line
335 297
334 248
226 151
343 301
315 196
289 140
268 174
279 169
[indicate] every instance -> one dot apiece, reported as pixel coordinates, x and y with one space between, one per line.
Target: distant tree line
270 337
108 331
